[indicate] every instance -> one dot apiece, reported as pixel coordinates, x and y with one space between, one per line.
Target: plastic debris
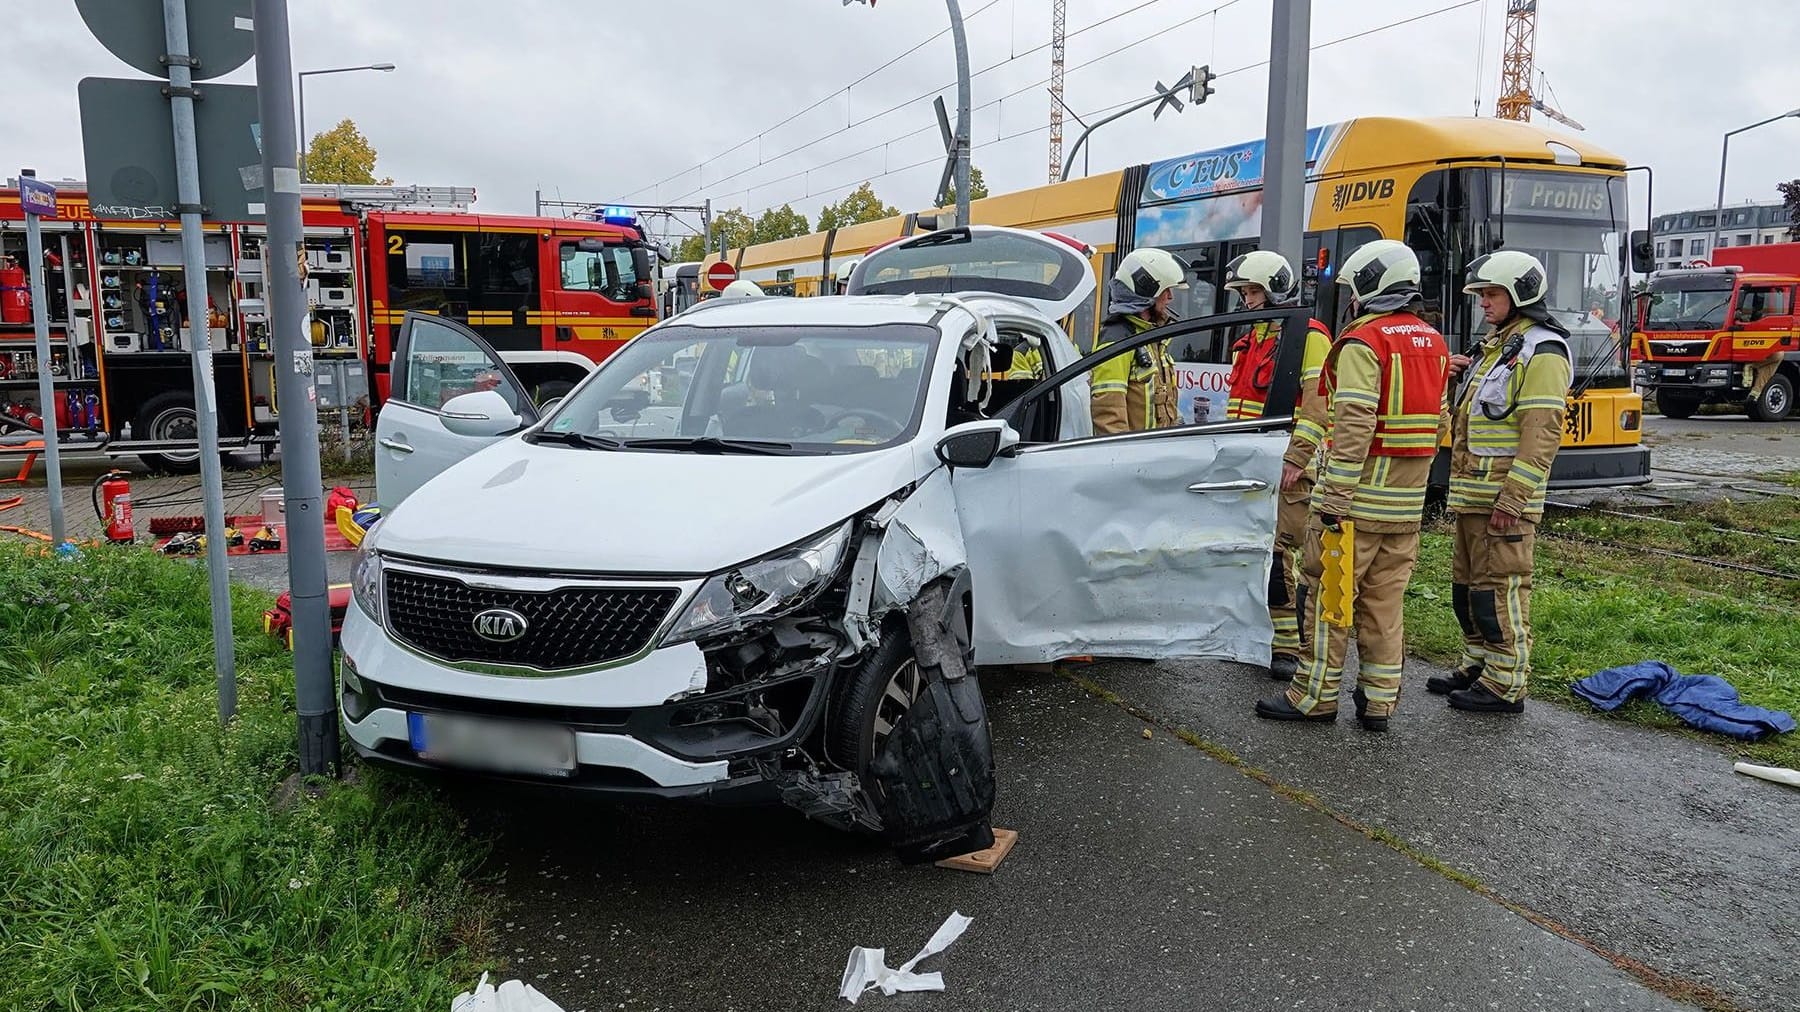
868 968
512 996
1774 774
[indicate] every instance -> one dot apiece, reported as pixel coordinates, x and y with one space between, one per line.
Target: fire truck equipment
265 539
15 296
111 494
1337 587
162 527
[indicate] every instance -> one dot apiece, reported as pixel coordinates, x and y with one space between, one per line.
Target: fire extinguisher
112 504
15 297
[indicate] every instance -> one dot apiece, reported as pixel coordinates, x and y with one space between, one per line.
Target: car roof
835 310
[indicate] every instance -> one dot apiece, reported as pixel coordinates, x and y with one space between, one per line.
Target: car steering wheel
866 415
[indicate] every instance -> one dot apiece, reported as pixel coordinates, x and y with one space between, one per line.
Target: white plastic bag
1775 774
868 967
512 996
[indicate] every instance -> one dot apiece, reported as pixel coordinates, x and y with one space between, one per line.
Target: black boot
1479 700
1362 707
1278 708
1283 667
1455 681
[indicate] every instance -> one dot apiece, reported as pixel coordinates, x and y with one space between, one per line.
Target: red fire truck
1704 328
554 295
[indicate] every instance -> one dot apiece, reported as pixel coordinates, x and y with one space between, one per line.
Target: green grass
1596 607
143 861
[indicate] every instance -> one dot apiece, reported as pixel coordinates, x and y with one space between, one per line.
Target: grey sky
599 99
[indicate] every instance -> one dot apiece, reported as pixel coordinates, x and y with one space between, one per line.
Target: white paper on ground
868 969
512 996
1777 774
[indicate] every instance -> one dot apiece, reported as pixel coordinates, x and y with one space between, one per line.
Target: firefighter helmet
1265 269
1378 268
1149 271
742 287
1518 272
849 268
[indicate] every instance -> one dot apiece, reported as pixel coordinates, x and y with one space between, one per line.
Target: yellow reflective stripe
1348 473
1543 403
1110 388
1310 431
1356 396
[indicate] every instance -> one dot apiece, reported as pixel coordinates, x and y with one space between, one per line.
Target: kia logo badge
500 625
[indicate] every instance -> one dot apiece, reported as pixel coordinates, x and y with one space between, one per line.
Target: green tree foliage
737 228
780 223
342 155
977 188
858 206
1790 196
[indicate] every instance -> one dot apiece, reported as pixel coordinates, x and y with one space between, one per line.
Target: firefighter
1758 375
1385 378
1135 392
843 275
741 288
1262 278
1506 429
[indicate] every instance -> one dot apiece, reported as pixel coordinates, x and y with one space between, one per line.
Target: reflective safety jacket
1385 378
1253 366
1502 447
1136 390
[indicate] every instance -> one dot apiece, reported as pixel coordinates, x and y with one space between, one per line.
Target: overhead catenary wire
853 123
1033 87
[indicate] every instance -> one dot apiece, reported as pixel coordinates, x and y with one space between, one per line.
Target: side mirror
976 444
640 263
1643 254
481 415
642 291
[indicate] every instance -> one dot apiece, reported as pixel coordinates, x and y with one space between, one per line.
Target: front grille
566 628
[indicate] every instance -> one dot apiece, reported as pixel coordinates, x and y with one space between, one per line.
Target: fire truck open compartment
555 295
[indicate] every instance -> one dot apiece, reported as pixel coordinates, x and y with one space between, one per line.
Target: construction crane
1059 16
1516 98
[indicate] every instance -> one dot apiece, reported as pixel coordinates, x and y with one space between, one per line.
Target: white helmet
741 287
1379 267
1149 271
844 272
1265 269
1519 273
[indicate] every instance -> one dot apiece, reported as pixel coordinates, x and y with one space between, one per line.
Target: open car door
452 396
1150 544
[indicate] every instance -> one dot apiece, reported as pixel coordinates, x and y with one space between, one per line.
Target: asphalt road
1149 875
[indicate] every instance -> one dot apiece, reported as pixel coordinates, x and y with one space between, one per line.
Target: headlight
769 587
365 580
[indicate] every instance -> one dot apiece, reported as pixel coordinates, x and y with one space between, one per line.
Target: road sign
220 33
128 138
719 275
37 197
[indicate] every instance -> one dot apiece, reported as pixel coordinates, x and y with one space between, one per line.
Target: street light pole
300 101
1725 153
961 142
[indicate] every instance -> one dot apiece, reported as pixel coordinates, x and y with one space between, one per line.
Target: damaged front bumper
648 727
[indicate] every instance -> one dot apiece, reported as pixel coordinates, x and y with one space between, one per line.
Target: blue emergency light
618 216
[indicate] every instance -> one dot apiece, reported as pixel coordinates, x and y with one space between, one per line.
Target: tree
858 206
342 155
977 188
780 223
737 228
1790 196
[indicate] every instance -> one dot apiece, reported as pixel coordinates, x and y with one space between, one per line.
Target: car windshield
790 389
1695 303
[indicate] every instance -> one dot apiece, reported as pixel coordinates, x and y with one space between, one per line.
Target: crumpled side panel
1118 557
923 541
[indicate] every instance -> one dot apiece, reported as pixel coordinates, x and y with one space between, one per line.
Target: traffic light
1202 86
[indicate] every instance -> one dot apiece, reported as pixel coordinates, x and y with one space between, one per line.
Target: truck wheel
546 394
1677 403
868 704
169 416
1776 402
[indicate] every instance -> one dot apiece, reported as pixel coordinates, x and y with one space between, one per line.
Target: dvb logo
1345 194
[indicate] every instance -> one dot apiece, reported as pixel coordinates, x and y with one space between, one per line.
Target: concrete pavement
1149 875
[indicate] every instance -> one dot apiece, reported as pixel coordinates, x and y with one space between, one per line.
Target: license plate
1675 373
492 745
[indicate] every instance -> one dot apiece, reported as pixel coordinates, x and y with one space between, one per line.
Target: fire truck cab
1705 328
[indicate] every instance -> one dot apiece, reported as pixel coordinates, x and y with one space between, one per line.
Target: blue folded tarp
1707 702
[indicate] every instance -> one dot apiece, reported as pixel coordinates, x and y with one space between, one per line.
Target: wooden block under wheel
984 861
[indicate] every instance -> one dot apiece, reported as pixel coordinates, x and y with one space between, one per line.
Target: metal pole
1724 153
1284 177
962 113
40 319
304 140
301 482
1081 141
206 398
